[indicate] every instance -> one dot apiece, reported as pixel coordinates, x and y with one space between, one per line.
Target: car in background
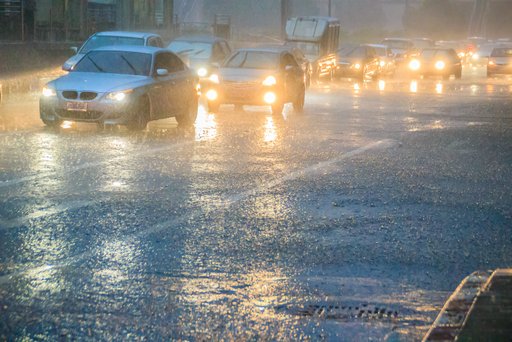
125 85
437 61
360 62
111 38
387 63
402 48
300 57
423 43
459 46
259 76
202 53
500 61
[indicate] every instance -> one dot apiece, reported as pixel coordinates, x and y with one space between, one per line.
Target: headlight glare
440 65
357 66
48 92
118 96
214 78
270 81
270 97
414 65
202 72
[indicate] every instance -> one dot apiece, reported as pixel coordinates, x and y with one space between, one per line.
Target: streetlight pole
330 7
284 17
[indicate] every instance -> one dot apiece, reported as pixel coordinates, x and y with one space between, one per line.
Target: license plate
78 106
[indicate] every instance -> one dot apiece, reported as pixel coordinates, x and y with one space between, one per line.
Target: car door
293 76
168 93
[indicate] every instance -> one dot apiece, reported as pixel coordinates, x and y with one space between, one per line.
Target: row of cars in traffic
130 78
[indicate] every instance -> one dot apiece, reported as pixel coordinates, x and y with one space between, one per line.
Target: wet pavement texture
351 221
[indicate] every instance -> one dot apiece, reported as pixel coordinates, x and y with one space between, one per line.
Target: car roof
382 46
132 48
127 34
264 49
198 38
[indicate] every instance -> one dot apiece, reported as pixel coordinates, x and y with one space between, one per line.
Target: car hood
350 60
502 60
245 75
98 82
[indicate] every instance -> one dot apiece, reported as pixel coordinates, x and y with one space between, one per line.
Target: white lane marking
383 144
11 182
43 212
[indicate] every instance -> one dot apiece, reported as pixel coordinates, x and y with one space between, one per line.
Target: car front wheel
298 104
52 123
140 116
189 114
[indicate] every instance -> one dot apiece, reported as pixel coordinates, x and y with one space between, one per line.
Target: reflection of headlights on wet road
118 95
214 78
270 81
269 97
202 72
48 92
414 65
212 95
440 65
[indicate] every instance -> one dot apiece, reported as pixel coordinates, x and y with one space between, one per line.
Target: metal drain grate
362 311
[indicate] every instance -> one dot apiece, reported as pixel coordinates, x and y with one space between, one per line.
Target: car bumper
108 112
242 94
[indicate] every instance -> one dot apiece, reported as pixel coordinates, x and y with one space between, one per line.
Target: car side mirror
67 67
162 72
74 49
289 68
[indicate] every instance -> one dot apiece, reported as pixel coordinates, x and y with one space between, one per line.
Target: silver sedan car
127 85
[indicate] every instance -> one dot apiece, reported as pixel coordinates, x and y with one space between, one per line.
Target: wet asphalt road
351 221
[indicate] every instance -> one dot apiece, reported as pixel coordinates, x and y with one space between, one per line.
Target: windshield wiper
94 63
129 64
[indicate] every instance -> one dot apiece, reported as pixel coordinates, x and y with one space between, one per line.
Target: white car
111 38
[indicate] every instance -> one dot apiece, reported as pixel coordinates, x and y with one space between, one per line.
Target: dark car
437 61
500 61
202 53
261 76
402 48
359 62
127 85
387 63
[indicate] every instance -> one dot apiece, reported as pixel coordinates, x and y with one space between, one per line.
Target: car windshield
502 52
253 60
423 43
98 41
398 44
310 49
358 51
191 49
115 62
433 53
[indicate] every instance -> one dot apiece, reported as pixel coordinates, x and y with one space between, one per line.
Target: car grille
90 115
73 95
231 86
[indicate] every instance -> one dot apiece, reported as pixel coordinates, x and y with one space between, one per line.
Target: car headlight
357 66
270 81
212 95
214 78
475 56
414 65
491 63
270 97
382 63
202 72
118 96
461 54
440 65
49 92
